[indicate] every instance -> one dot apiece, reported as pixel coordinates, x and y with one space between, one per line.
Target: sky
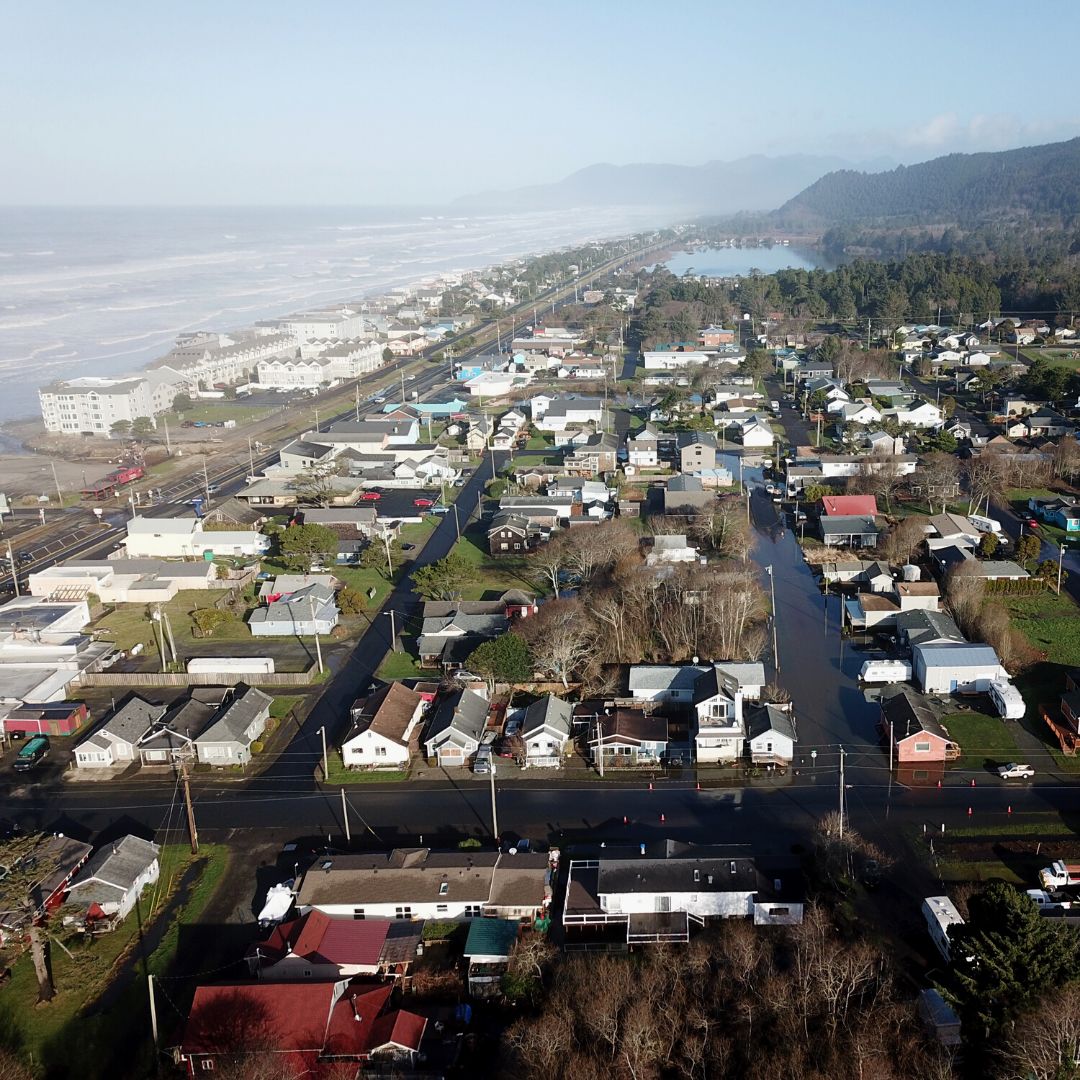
354 102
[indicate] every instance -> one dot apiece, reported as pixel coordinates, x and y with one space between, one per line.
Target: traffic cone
662 819
699 785
939 783
969 811
625 820
650 785
973 781
1009 811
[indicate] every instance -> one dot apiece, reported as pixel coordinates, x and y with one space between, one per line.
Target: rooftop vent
697 875
734 869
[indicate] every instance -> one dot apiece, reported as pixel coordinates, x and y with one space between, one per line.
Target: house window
473 911
207 1064
922 747
404 912
920 774
441 909
380 751
357 912
504 546
779 911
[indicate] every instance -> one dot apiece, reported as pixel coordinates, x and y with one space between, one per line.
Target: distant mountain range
752 183
1035 181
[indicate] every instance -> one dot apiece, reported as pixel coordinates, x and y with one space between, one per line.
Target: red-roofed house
309 1028
849 505
317 946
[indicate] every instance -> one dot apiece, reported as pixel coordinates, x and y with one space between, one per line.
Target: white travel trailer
885 671
1007 699
940 913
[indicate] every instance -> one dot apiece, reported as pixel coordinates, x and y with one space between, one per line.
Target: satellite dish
696 660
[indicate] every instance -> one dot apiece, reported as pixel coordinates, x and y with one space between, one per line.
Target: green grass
984 740
1043 829
283 704
496 575
48 1035
540 442
213 412
1050 622
401 665
129 625
1067 357
986 870
339 774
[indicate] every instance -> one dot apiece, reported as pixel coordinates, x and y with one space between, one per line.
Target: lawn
283 704
340 775
984 740
402 664
128 624
496 575
47 1035
215 412
1066 358
1050 622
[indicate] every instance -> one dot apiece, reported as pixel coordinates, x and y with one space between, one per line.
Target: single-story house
308 610
912 725
855 531
46 871
627 737
684 494
456 728
242 718
849 505
669 549
1062 512
546 731
382 725
488 948
112 879
770 734
679 682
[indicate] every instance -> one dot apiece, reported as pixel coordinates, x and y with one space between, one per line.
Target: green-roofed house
488 949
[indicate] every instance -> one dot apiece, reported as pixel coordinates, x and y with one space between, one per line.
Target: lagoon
724 262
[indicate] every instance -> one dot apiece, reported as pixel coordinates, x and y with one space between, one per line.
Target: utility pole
153 1010
494 811
59 493
389 560
393 630
316 421
315 631
206 484
168 442
772 590
358 401
325 760
891 744
251 457
159 638
193 832
14 570
1061 555
457 520
345 817
841 793
168 630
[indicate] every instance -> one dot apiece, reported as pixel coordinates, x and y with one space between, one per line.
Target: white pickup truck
1013 771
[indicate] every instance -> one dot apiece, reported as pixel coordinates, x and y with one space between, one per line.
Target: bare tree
1043 1044
964 591
985 473
559 638
904 539
939 478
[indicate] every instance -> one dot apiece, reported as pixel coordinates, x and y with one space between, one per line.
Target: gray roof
848 525
909 713
677 875
957 656
112 870
130 722
685 482
445 625
921 624
696 438
1000 568
770 718
549 712
685 677
463 714
301 448
562 405
236 715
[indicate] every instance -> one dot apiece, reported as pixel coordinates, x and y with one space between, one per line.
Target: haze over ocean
103 291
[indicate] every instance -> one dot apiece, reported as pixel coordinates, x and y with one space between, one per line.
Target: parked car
482 761
513 727
1013 771
1030 522
423 502
31 755
370 496
408 547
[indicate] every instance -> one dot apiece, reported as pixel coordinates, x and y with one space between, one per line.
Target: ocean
103 291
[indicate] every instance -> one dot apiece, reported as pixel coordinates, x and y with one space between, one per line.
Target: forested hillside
1033 182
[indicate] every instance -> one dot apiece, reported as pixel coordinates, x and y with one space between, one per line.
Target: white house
756 432
306 610
656 897
956 668
676 683
667 549
559 413
771 735
718 727
184 538
382 726
917 413
110 882
546 731
242 718
455 731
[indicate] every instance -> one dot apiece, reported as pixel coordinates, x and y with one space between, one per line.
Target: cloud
948 132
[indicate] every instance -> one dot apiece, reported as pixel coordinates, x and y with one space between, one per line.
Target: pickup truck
1058 875
1012 771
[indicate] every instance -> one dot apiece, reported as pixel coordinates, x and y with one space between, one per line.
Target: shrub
257 746
467 845
351 601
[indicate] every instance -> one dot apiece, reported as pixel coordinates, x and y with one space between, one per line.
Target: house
511 534
479 434
447 640
770 732
854 412
558 413
949 526
849 505
304 1029
122 581
382 725
921 626
546 731
1062 512
880 442
685 494
453 735
670 549
656 896
917 413
598 454
628 737
951 669
916 733
718 726
756 432
292 612
184 538
696 451
317 946
678 683
116 741
418 883
110 882
844 530
45 873
47 718
488 948
642 448
229 737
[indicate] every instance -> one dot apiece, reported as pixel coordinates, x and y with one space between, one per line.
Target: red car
370 496
1031 523
423 502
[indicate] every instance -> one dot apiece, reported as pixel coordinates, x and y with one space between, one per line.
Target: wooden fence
201 678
